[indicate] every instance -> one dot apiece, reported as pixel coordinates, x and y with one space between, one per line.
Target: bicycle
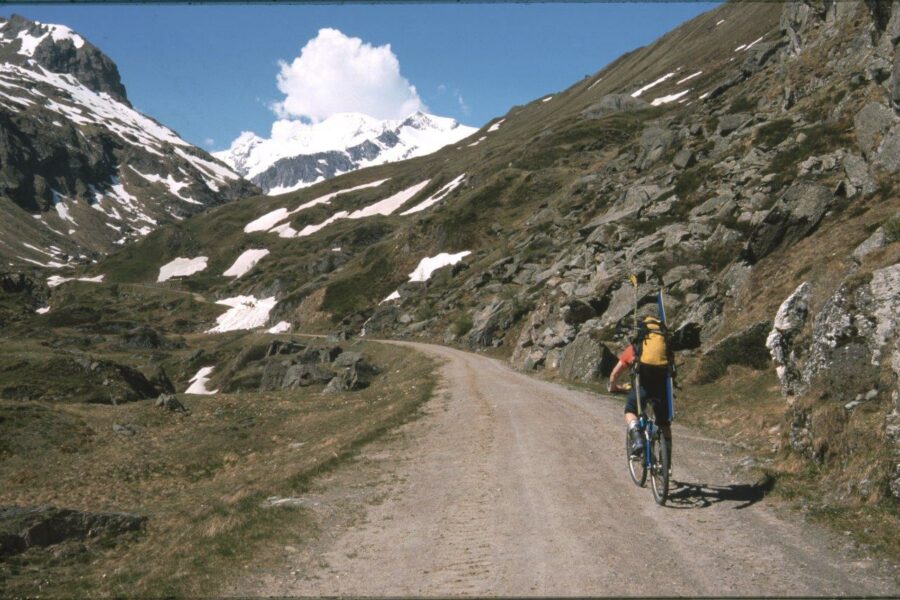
653 459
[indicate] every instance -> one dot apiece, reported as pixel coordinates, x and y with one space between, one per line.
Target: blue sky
209 71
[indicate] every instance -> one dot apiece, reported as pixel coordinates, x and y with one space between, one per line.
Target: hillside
82 171
746 163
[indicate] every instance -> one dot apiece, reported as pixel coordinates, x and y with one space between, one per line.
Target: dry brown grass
200 478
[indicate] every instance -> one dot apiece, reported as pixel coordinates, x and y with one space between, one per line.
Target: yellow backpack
651 344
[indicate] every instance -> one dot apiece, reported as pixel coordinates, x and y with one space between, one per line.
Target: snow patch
495 126
430 264
650 85
43 311
547 99
181 267
669 98
436 197
395 295
55 280
245 262
478 141
688 78
279 327
246 312
199 381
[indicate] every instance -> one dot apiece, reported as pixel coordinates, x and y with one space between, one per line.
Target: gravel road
513 486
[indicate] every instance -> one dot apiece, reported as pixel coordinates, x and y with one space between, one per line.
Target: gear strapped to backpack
651 344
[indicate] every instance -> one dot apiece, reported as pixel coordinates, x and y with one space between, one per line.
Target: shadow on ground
702 495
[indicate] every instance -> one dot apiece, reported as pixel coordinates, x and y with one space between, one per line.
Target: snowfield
246 312
181 267
246 261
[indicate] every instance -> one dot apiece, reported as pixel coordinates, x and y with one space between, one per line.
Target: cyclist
652 369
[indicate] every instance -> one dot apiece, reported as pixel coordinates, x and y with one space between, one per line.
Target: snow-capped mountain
300 154
81 171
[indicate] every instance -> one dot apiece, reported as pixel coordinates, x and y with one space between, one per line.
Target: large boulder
585 359
871 123
789 322
304 375
794 216
746 347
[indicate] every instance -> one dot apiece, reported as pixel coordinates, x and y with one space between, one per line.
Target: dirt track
513 486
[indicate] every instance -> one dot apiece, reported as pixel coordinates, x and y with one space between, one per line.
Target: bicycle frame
650 429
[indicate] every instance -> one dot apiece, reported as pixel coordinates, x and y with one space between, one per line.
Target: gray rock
794 216
124 429
304 375
684 159
170 403
888 155
789 322
273 375
731 123
585 359
614 103
348 359
746 347
859 180
24 527
874 242
870 124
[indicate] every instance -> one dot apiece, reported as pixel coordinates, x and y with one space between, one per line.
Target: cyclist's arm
612 386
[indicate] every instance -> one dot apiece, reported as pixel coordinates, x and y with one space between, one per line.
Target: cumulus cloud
336 73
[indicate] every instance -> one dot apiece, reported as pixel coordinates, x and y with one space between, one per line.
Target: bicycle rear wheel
635 464
659 469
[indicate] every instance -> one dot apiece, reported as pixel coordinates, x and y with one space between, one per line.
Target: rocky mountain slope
305 154
746 162
80 170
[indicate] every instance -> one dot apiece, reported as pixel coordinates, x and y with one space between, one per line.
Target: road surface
513 486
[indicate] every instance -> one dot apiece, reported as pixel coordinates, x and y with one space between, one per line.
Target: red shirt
627 356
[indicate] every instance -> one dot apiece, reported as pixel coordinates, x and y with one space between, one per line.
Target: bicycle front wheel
659 469
635 464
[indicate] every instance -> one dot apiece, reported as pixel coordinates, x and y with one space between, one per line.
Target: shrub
462 324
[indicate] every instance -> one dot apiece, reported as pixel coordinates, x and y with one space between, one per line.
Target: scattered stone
170 403
124 429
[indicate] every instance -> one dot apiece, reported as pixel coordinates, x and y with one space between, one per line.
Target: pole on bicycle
637 383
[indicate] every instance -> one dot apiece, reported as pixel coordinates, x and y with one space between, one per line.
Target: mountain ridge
300 154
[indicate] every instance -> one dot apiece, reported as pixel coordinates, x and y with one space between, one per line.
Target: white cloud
209 142
462 103
336 73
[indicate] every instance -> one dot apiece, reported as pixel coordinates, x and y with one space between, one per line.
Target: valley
272 385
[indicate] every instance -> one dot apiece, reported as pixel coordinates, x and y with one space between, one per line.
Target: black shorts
653 389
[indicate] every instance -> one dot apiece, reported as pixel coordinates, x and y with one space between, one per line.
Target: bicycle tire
659 469
635 463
